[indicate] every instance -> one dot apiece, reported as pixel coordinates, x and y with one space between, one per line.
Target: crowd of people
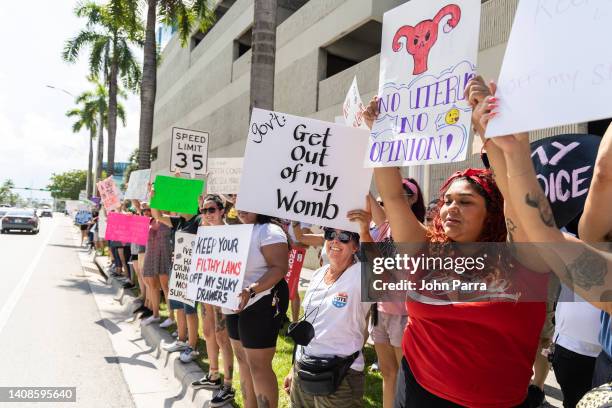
464 353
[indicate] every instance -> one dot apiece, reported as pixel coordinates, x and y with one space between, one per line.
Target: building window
353 48
243 43
220 10
196 39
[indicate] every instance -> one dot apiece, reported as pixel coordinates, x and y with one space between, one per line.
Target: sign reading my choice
304 170
218 264
428 54
189 152
177 194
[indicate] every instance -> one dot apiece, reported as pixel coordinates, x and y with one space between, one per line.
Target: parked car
46 213
23 220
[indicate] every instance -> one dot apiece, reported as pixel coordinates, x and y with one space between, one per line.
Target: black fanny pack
322 376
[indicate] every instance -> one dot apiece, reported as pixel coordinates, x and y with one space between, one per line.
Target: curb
185 374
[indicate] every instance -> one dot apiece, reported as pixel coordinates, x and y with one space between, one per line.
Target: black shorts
84 227
258 325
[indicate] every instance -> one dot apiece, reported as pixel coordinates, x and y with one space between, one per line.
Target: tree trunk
263 55
148 88
112 113
100 155
89 184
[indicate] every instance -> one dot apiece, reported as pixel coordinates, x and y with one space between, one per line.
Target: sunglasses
342 236
209 210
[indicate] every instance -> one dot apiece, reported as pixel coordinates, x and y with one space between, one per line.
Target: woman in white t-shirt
264 299
333 306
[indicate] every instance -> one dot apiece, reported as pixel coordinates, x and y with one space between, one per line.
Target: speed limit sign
189 152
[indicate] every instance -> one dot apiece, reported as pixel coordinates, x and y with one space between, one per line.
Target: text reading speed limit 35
189 151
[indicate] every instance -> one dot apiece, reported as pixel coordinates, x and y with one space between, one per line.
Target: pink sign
127 228
109 194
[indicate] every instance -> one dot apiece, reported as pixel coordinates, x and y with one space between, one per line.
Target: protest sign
218 264
224 175
102 223
564 168
352 107
127 228
296 262
138 186
109 193
557 69
429 51
82 195
177 194
82 217
189 151
183 249
72 206
304 170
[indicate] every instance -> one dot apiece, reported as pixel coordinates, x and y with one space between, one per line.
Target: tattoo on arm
589 269
220 323
263 401
540 202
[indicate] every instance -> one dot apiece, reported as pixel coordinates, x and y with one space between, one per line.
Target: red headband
476 175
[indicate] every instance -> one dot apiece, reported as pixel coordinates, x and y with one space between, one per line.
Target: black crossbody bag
321 376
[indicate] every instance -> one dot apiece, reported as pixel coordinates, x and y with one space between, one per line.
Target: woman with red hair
475 354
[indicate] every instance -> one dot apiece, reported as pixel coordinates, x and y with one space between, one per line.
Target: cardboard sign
82 217
102 218
72 206
218 264
179 276
296 262
224 175
109 193
138 186
127 228
177 194
189 152
557 69
304 170
429 51
82 195
564 168
352 107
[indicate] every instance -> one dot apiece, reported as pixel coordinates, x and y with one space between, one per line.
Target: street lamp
60 89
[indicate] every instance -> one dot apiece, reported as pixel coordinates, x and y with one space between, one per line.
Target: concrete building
321 46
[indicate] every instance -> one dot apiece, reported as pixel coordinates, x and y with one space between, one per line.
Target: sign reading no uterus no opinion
189 152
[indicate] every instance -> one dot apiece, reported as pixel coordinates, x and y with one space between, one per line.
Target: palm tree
185 15
263 55
86 118
110 33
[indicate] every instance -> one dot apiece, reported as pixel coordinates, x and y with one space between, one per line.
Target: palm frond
74 45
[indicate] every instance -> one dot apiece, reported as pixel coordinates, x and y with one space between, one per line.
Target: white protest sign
138 186
82 195
304 170
72 206
224 175
218 264
429 51
189 152
352 107
179 276
558 66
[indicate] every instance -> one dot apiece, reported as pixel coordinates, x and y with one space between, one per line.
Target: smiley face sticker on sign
189 151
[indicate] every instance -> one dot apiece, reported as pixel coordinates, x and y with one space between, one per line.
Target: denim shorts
176 305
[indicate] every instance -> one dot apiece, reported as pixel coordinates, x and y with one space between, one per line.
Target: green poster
177 194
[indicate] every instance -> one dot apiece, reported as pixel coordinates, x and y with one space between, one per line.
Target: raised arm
307 239
583 268
378 212
404 224
596 221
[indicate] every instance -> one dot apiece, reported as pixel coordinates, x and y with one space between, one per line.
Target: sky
36 138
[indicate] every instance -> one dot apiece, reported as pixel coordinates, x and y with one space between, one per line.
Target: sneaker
176 345
188 355
175 334
208 383
224 396
147 313
150 319
166 323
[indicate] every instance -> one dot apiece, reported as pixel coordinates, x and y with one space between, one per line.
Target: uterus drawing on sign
420 39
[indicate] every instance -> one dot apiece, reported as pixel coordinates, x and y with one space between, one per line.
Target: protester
338 317
254 327
214 324
469 353
157 264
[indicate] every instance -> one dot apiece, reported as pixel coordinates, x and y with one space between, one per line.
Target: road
48 330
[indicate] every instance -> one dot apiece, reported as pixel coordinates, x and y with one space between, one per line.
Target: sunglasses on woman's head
209 210
342 236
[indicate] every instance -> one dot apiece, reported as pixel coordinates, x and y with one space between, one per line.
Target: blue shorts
176 305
